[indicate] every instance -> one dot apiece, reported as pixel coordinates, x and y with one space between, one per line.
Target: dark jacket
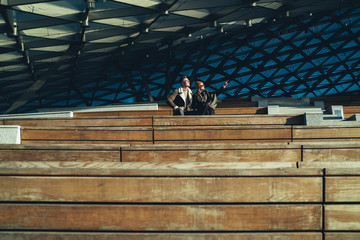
201 99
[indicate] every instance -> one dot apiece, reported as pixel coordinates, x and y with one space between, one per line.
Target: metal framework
87 53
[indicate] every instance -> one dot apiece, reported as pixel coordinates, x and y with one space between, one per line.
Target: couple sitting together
185 102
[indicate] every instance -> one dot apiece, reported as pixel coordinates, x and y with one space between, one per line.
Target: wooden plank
343 172
301 133
212 153
342 217
161 189
160 217
222 133
342 236
231 110
154 169
329 152
123 134
81 122
59 155
60 152
227 120
330 165
342 189
85 142
125 113
159 236
351 109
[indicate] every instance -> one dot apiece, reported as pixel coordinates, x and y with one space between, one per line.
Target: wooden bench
161 236
349 111
229 120
164 112
212 153
140 198
60 152
326 133
216 134
86 135
103 121
331 152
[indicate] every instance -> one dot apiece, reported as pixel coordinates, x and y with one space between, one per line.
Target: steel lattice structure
88 53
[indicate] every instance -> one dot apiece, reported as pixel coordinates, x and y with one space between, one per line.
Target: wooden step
342 217
166 112
257 152
61 152
229 120
162 236
161 189
215 134
102 121
115 217
28 168
78 135
326 133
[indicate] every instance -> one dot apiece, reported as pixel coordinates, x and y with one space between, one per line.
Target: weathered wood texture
168 112
161 236
160 217
212 153
233 110
83 122
342 189
303 133
333 154
214 134
266 169
228 120
330 165
60 155
86 135
342 236
342 217
61 152
161 190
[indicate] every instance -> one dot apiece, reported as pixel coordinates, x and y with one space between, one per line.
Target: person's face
201 87
185 82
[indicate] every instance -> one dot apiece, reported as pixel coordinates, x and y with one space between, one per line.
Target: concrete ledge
122 107
273 109
10 134
357 117
313 118
63 114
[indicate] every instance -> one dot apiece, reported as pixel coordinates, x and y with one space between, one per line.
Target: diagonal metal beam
39 83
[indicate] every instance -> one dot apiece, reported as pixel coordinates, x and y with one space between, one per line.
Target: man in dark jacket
204 101
181 98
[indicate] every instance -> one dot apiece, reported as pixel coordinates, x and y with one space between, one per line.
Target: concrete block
63 114
273 109
313 118
338 111
263 103
357 117
120 107
10 134
319 104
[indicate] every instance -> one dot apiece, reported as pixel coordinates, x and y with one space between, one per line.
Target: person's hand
181 108
208 103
